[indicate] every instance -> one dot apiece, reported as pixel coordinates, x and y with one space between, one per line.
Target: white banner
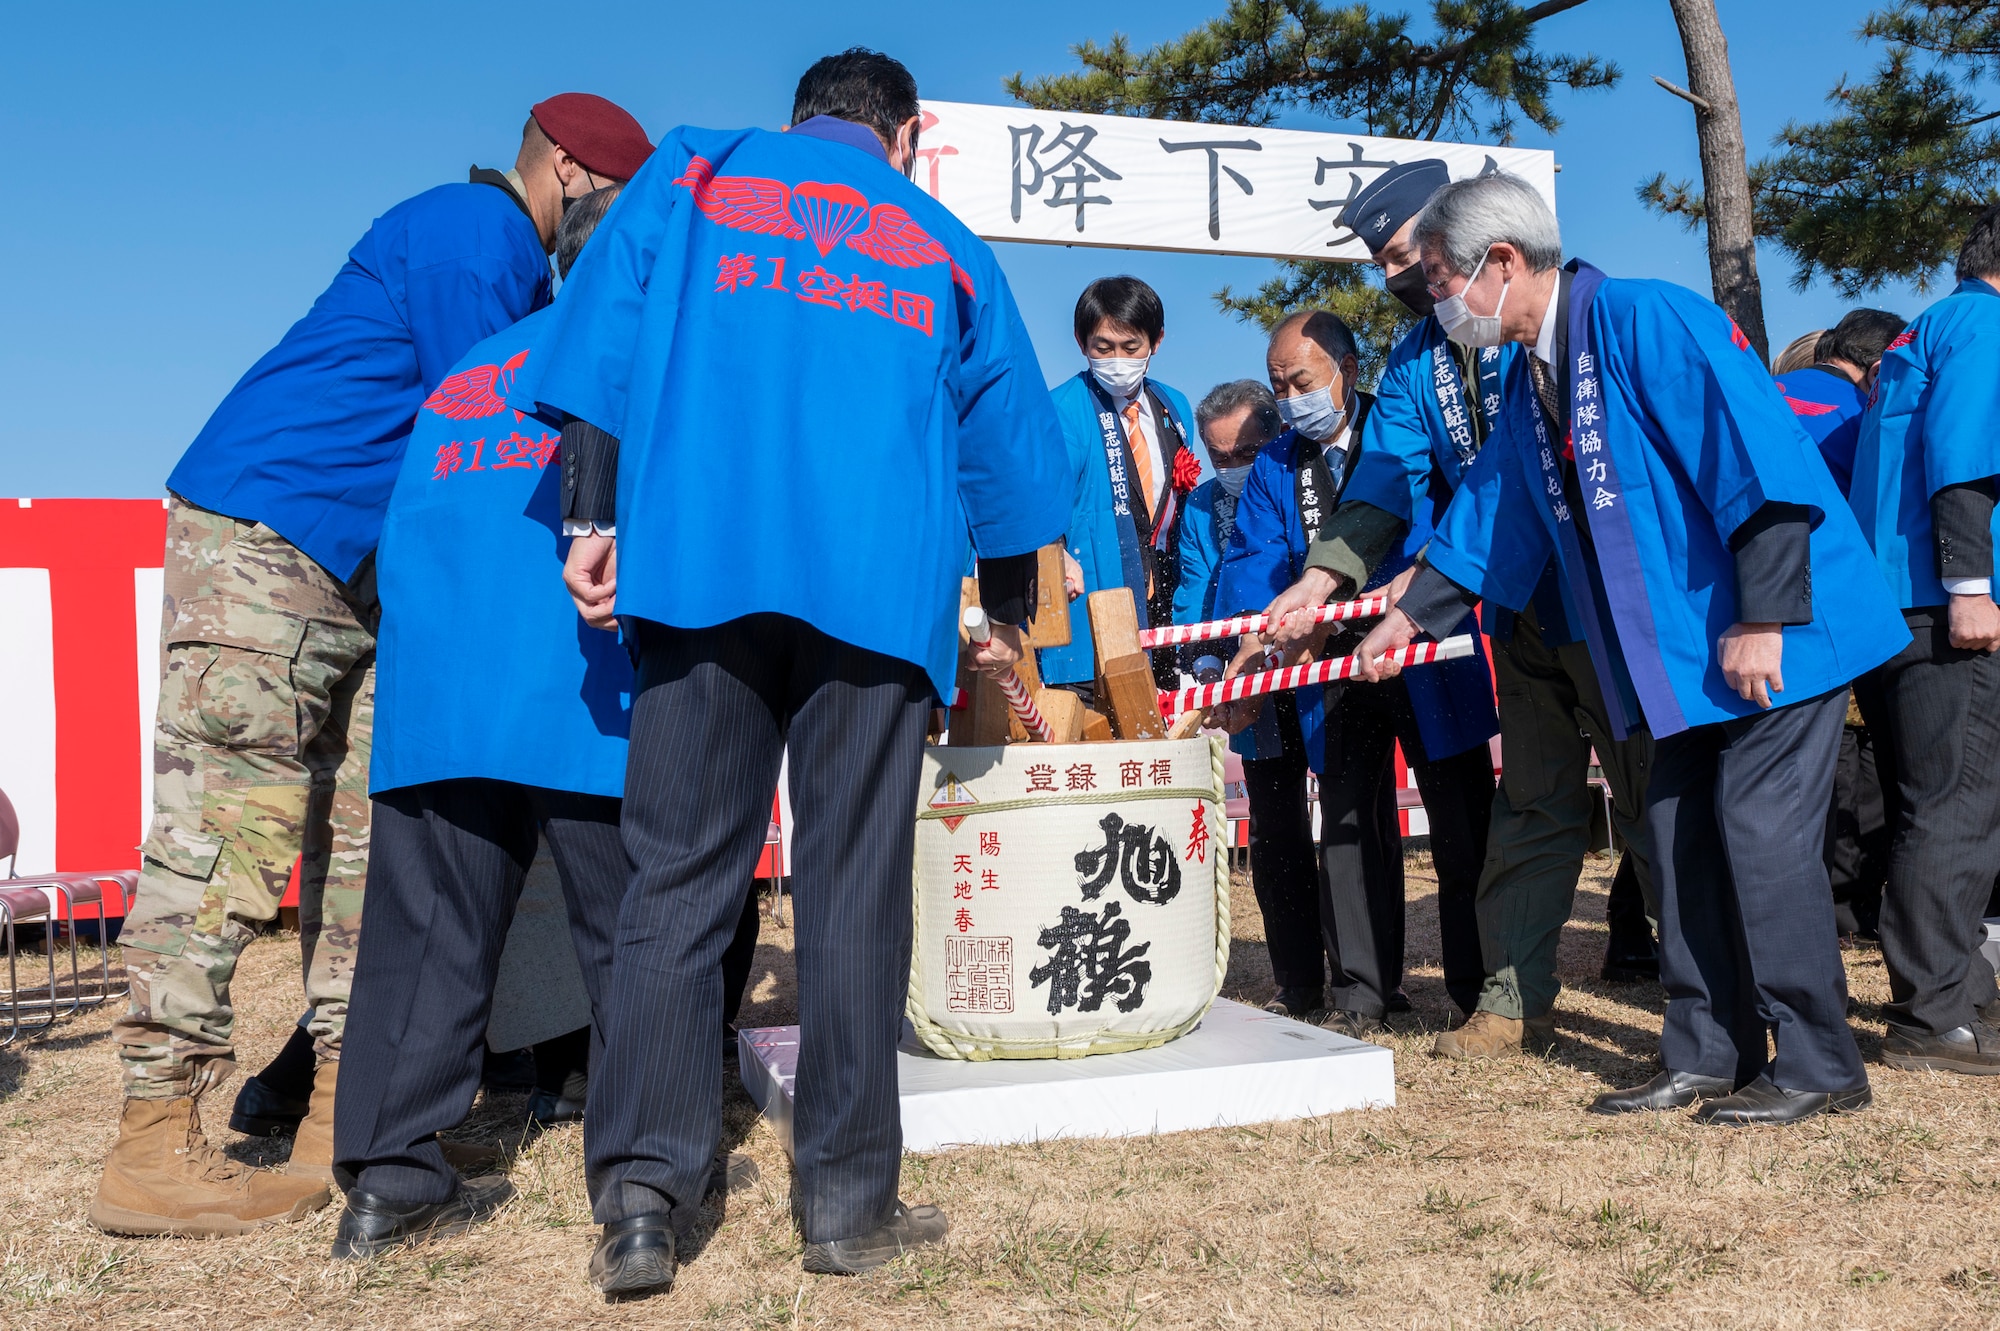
1060 178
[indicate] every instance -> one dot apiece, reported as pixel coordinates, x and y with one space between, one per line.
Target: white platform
1241 1065
1991 947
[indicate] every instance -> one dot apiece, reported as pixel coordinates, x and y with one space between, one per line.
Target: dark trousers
1552 716
1736 812
713 712
446 863
1859 832
1361 849
1284 865
1936 709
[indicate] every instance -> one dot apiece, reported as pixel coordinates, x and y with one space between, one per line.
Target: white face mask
1120 375
1313 414
1464 327
1232 479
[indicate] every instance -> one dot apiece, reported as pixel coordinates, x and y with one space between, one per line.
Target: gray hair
1466 218
579 222
1227 399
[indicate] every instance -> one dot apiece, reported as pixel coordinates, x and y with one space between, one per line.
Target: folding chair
73 891
23 905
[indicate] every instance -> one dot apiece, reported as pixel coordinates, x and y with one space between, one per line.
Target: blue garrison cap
1393 198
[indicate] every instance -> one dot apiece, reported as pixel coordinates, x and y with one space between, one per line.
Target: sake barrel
1071 899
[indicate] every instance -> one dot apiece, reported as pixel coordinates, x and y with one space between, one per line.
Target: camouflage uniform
260 756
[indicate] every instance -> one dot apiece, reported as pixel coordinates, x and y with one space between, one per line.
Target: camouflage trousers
260 760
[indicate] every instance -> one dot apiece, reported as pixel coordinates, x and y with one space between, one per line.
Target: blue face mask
1313 414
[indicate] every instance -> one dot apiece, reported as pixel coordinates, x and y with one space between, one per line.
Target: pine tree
1883 189
1478 74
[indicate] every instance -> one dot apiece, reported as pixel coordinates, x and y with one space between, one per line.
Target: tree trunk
1732 243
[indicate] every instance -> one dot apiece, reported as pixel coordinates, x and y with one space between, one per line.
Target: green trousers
1551 716
260 760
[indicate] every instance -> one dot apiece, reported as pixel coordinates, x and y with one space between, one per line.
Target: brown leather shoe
1490 1035
312 1149
164 1177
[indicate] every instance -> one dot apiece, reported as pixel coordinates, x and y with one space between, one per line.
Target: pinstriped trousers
448 863
713 712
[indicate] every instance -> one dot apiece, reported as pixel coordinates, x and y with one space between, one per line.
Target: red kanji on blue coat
825 213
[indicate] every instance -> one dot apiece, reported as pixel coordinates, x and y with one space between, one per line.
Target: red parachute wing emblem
479 391
1736 335
1903 339
746 203
1800 408
894 238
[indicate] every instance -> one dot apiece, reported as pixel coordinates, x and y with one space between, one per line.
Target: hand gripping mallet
980 629
1172 635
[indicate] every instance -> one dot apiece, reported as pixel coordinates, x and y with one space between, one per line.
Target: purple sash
1619 563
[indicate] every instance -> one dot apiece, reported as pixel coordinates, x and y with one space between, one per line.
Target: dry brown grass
1486 1198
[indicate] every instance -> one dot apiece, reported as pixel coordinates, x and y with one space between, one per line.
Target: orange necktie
1142 455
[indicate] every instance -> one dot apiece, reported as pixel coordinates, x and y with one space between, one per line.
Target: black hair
1335 338
1125 300
1860 337
861 85
579 222
1980 255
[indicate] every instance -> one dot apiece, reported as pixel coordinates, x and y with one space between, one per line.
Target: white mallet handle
1172 635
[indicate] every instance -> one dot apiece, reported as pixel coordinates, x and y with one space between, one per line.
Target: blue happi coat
1100 538
1829 407
1935 422
825 393
1679 437
309 441
483 667
1201 547
1452 700
1420 428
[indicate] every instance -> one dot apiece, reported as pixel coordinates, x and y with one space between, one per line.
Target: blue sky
194 174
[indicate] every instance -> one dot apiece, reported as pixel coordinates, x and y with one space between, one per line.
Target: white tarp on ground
1061 178
1241 1065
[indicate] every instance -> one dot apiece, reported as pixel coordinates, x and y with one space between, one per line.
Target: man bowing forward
898 410
1647 451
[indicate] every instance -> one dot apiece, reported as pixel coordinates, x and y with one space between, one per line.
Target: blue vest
1679 436
1935 422
309 441
483 667
1452 700
1101 541
826 396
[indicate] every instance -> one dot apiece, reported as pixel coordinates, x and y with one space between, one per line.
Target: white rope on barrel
1205 696
1172 635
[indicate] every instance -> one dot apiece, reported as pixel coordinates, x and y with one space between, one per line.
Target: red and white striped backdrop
79 674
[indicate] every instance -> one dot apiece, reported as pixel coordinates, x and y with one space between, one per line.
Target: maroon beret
601 135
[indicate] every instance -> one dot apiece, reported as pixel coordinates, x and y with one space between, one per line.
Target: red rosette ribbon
1187 471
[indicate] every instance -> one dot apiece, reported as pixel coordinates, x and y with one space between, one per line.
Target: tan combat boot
164 1177
312 1149
1490 1035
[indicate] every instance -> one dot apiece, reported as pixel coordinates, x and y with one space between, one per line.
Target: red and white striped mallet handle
1172 635
1205 696
981 631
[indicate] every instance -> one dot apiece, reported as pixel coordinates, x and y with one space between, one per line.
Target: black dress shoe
1296 1003
263 1112
546 1109
732 1174
374 1225
1763 1101
1629 970
634 1256
907 1227
1353 1025
1668 1090
1973 1050
1398 1001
